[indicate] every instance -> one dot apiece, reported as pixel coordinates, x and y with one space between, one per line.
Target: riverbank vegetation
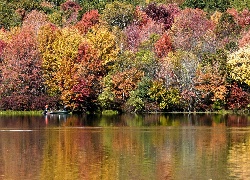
126 56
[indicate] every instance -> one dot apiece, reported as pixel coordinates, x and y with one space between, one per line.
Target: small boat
58 112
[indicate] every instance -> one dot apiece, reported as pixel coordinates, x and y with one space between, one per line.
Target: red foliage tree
237 99
242 18
88 20
162 13
136 34
163 46
80 95
70 10
245 39
189 28
21 73
89 76
2 46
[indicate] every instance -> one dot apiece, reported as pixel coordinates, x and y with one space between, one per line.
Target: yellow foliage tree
239 65
104 42
59 50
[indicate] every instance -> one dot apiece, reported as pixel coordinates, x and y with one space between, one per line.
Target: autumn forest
128 56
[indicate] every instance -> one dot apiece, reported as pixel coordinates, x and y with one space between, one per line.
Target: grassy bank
10 112
112 112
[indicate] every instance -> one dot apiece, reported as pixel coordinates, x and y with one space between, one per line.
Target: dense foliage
133 56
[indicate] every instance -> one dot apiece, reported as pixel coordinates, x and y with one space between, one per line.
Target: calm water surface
168 146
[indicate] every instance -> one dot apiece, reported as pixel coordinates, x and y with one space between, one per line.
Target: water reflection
149 120
151 146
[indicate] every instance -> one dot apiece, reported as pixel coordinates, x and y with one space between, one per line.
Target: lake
122 147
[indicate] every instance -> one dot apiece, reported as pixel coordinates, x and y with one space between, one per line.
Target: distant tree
240 5
136 35
242 18
139 99
56 17
125 81
47 36
167 98
208 5
59 52
245 40
212 87
2 47
215 17
178 70
56 2
117 87
89 76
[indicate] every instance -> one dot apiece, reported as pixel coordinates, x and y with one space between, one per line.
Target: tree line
129 56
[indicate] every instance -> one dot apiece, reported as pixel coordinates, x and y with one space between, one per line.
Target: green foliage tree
9 17
240 5
118 14
56 17
139 98
168 98
208 5
227 32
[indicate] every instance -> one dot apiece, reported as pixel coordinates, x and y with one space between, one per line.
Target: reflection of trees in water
238 163
147 120
236 121
164 146
20 151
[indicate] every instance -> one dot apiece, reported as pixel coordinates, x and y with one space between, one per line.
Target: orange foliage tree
212 86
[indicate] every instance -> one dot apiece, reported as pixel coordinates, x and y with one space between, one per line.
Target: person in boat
65 108
46 109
